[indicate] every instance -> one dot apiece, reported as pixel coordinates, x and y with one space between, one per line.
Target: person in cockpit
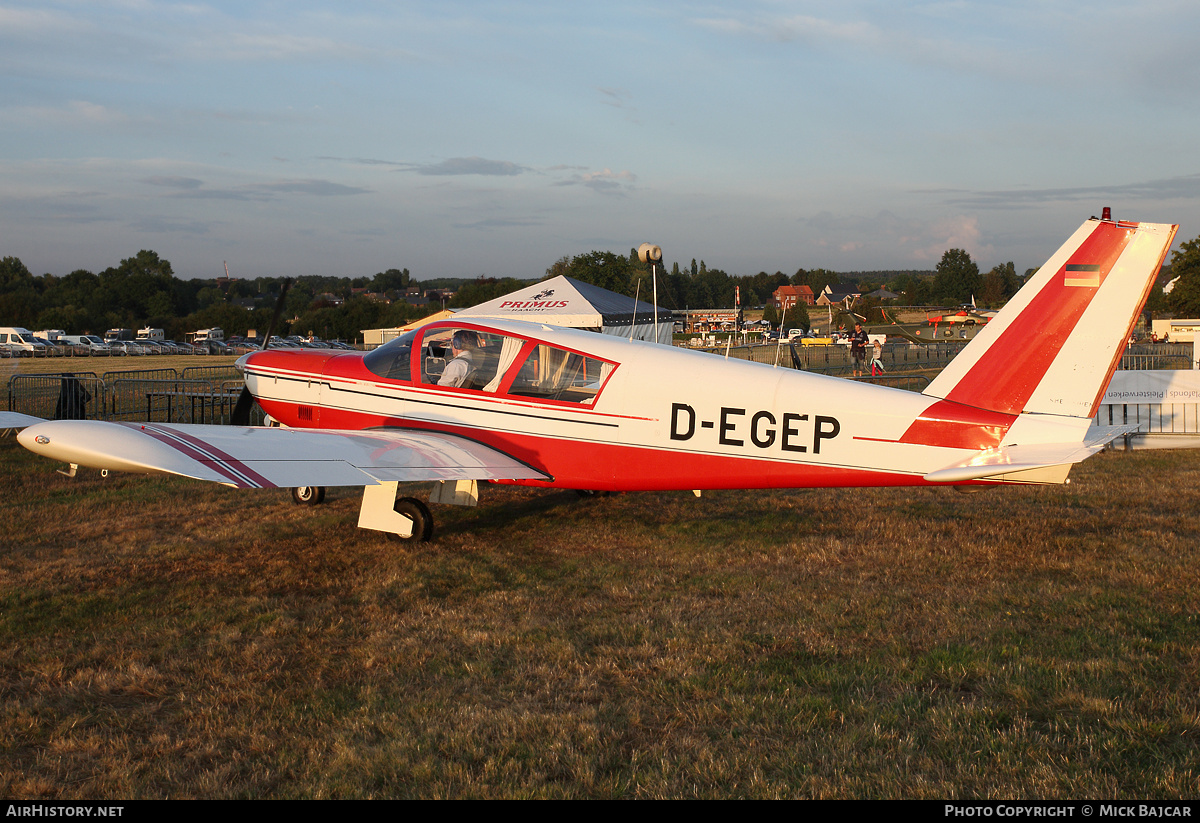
459 370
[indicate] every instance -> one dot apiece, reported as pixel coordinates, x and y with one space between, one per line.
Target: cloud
170 182
73 114
981 39
471 165
500 223
617 98
958 232
886 234
26 22
605 181
276 46
162 225
363 161
69 207
192 189
318 188
798 27
1185 187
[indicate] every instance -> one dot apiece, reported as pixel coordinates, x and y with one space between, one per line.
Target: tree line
956 280
143 291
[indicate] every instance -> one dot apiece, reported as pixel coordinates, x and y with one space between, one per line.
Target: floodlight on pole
651 254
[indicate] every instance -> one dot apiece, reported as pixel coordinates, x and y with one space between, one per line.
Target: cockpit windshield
393 359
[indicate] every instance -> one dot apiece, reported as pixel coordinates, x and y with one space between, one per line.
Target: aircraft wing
1012 459
258 457
16 420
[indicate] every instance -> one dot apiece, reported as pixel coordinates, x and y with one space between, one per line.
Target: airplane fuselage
659 417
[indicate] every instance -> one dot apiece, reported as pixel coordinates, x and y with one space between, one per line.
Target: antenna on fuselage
652 254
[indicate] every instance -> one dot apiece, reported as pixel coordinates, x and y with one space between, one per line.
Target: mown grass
167 638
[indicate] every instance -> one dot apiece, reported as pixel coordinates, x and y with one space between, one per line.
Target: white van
19 341
91 342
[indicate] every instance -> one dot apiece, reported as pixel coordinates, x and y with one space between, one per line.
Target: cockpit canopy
477 359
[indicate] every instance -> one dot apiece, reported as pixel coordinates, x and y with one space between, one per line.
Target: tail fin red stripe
1006 375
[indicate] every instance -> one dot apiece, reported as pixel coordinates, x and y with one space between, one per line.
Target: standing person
858 348
876 358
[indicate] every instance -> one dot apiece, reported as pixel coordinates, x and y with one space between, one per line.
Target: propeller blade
245 401
241 411
283 290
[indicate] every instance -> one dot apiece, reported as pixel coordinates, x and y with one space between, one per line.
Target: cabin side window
551 373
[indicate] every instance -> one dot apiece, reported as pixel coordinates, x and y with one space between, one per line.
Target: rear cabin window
550 373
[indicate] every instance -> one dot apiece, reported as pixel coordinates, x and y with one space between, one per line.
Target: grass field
167 638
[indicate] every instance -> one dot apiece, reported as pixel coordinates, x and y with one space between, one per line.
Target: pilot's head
464 340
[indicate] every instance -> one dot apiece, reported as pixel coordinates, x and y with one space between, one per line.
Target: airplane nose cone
240 363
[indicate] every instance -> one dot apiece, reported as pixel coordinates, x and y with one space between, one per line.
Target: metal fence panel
1156 361
836 359
77 396
216 374
908 382
141 374
171 401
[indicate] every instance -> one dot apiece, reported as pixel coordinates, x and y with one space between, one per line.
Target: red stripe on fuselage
579 464
1006 375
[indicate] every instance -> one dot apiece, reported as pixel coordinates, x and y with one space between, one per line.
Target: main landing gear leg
407 518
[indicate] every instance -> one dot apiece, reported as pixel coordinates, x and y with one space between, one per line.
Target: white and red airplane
562 408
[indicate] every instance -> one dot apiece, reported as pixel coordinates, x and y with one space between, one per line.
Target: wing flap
256 457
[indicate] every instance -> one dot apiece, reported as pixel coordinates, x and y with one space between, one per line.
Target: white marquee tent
564 301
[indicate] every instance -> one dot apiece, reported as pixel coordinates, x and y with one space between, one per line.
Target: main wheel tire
308 495
419 514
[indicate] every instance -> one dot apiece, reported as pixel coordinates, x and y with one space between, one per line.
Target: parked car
150 346
127 347
87 344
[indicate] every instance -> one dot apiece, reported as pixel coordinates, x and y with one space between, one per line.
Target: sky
460 139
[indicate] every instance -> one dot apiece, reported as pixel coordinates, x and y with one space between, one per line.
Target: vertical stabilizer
1053 348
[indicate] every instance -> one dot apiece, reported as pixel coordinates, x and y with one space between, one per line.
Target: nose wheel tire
308 495
421 517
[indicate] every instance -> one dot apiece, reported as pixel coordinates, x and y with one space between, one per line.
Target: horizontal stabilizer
1009 460
256 457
